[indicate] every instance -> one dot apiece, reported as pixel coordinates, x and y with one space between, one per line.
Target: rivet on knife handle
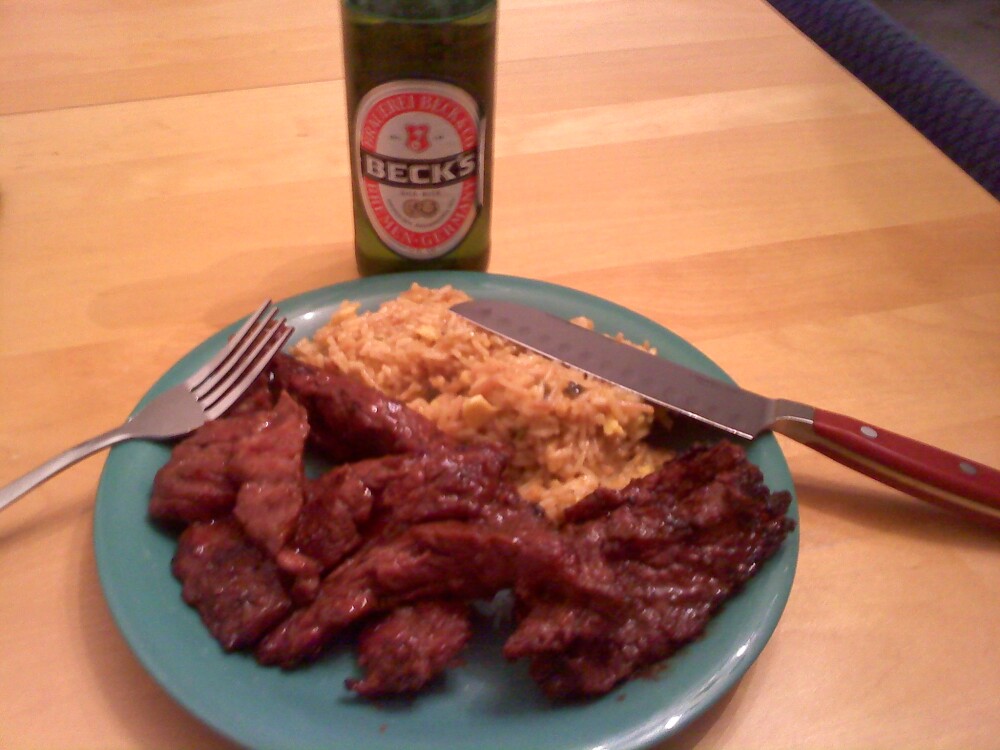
960 484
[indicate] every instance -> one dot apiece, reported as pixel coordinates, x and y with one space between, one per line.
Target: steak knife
959 484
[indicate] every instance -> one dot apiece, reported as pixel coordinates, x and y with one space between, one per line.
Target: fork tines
229 373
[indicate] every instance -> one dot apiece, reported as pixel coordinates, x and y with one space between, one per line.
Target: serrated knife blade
960 484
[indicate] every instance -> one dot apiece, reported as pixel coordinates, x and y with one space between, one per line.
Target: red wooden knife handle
921 470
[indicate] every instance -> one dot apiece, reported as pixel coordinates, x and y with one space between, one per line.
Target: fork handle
17 488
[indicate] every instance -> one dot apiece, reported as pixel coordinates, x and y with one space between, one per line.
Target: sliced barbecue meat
363 502
250 463
349 420
196 483
327 529
448 483
339 505
448 559
678 542
411 646
268 466
354 485
236 589
417 523
258 397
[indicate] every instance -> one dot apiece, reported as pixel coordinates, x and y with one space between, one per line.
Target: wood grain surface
164 166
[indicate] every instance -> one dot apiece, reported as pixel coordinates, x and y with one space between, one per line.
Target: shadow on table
883 509
44 521
147 714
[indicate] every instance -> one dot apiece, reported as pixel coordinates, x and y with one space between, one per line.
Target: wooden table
164 166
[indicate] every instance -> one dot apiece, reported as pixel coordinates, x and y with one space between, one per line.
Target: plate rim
486 284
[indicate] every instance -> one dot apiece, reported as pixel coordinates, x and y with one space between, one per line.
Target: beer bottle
420 90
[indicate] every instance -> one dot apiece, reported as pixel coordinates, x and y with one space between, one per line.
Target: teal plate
486 703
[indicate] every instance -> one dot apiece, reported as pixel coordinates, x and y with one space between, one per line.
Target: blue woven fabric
952 112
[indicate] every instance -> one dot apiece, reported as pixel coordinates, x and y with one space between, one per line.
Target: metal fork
202 397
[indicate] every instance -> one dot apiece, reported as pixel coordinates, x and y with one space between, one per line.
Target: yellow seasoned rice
570 432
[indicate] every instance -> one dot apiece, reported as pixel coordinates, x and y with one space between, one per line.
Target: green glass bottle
420 89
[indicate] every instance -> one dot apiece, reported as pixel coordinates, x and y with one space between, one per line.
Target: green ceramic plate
486 703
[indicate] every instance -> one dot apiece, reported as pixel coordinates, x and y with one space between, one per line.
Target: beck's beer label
418 160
